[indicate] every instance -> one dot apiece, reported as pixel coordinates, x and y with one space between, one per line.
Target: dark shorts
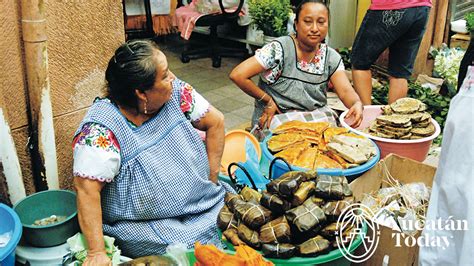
400 30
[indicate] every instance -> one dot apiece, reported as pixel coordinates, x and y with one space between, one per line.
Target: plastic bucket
9 223
416 149
280 168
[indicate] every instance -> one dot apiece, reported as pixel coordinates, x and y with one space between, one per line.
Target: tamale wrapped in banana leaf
306 216
233 237
250 195
252 214
332 209
304 191
298 237
230 199
249 236
330 187
318 201
287 184
314 246
226 219
280 251
276 231
346 239
346 188
274 203
331 230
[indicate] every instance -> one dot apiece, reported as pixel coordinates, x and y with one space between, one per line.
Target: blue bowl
10 222
280 168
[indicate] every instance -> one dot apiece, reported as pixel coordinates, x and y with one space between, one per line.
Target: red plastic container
416 149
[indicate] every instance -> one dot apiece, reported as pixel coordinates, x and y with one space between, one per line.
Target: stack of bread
404 119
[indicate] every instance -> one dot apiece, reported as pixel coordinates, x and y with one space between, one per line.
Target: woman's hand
268 112
97 258
356 112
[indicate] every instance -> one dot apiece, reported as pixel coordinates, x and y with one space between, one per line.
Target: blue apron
162 193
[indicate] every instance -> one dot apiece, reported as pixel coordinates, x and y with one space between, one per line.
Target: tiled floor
212 83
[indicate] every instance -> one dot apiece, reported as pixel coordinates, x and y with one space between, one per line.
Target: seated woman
295 70
141 171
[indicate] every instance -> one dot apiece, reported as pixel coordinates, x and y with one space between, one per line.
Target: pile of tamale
296 216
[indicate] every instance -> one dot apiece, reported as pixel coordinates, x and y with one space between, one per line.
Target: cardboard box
460 40
406 171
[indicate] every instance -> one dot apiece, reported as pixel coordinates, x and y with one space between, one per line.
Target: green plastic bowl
44 204
333 258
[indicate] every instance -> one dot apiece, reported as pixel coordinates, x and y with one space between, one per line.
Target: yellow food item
292 153
323 161
330 132
305 144
306 158
251 257
210 255
283 141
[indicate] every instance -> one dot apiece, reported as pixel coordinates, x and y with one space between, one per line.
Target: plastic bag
257 180
177 251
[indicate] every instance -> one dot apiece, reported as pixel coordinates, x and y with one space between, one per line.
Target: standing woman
141 171
295 71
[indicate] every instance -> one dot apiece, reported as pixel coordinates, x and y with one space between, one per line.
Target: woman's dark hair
300 6
133 66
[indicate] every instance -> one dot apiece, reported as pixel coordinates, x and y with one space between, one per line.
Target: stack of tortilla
404 119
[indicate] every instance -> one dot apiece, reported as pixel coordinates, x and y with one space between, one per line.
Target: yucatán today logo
356 224
428 238
353 226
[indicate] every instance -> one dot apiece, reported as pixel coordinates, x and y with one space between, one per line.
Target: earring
144 109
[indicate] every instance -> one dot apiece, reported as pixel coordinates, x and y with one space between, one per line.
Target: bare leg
363 85
398 89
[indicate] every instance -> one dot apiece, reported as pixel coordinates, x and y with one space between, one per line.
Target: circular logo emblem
349 227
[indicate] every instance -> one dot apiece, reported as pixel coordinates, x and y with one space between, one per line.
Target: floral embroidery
316 65
270 57
102 142
187 101
192 104
96 135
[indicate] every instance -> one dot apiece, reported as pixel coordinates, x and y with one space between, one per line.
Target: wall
342 23
82 36
13 100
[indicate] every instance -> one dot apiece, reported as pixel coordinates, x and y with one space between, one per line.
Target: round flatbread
394 120
406 106
424 132
407 136
387 110
418 117
422 124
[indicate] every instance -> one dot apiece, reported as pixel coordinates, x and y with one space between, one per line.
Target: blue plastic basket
10 222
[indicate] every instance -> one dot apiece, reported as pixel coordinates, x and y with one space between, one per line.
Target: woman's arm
348 96
90 219
241 75
213 124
